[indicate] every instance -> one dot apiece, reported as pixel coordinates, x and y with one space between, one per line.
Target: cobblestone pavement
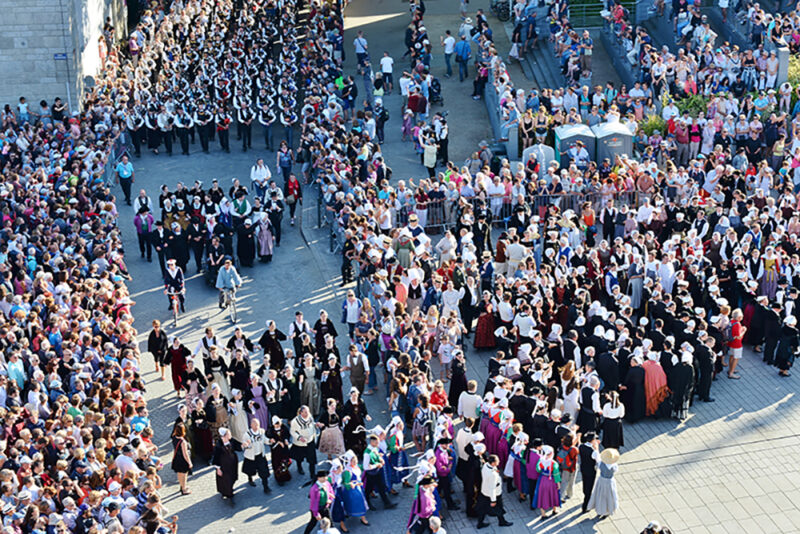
726 469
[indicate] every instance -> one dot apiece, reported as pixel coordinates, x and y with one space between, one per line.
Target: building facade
51 48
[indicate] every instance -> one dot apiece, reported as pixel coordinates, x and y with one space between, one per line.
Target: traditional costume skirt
484 332
493 436
331 441
547 494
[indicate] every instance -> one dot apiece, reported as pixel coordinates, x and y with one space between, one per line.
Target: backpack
564 461
384 115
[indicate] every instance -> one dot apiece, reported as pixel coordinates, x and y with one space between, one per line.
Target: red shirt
736 334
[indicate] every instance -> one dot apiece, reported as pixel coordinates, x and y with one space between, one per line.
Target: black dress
246 245
226 460
353 439
458 381
633 396
788 343
180 463
271 343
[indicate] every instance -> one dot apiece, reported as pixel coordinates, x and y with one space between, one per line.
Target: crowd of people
608 291
77 447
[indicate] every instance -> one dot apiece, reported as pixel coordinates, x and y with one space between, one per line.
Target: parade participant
304 434
280 451
321 497
174 284
373 465
157 345
423 507
255 455
355 501
227 465
589 456
605 500
331 438
490 499
547 497
444 464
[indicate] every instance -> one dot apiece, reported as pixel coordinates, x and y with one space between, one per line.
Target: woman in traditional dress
484 332
636 281
256 401
195 384
217 371
291 399
458 377
278 436
201 428
505 425
633 391
310 393
331 384
176 356
237 418
338 514
398 459
655 383
331 439
216 410
769 282
354 415
322 328
547 496
787 346
264 238
240 341
355 502
515 465
605 499
423 419
613 412
239 370
270 341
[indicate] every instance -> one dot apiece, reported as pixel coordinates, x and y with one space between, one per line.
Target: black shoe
169 308
308 483
252 483
482 525
267 489
453 506
149 260
371 508
389 505
505 523
709 399
300 470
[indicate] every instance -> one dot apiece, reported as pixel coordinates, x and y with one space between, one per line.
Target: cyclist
227 279
174 283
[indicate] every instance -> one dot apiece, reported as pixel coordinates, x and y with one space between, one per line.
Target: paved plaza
728 468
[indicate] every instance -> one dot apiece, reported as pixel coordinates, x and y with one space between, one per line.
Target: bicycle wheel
175 313
233 309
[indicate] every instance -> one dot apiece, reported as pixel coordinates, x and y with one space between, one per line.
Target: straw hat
609 456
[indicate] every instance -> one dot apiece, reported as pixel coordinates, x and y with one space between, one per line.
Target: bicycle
176 303
229 301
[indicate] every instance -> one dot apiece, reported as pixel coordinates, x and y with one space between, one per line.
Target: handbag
291 199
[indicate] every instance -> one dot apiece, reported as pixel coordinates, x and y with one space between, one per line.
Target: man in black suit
159 238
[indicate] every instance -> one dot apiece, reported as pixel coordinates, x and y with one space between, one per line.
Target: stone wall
49 47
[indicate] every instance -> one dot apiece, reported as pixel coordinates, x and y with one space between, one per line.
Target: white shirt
125 463
469 404
491 483
260 174
463 438
524 324
353 310
386 64
449 44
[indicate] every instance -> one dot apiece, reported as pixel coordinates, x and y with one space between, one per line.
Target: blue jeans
372 381
268 136
463 70
447 62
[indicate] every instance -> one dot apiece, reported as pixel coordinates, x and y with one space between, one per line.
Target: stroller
435 92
